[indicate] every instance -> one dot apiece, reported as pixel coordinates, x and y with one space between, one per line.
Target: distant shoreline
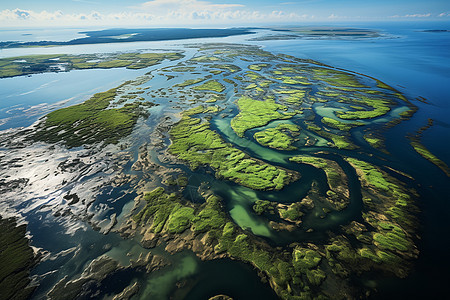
133 35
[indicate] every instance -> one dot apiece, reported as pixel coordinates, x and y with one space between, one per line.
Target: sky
213 13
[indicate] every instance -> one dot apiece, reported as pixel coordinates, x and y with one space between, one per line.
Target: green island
257 67
91 121
262 206
340 140
374 141
16 258
194 142
383 192
338 194
312 32
212 85
189 82
340 125
292 96
425 153
379 107
290 215
256 113
281 137
415 141
227 67
33 64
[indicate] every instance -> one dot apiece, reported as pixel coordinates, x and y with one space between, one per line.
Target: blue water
41 34
24 99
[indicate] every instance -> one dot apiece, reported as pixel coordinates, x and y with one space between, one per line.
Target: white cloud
426 15
188 6
196 13
336 17
418 16
86 2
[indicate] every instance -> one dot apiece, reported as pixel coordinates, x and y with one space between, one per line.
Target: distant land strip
134 35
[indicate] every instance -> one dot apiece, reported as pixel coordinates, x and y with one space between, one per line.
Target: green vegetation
338 195
257 67
180 219
24 65
371 175
168 213
262 206
181 69
373 141
337 86
339 141
212 85
294 80
379 106
292 96
280 137
382 85
193 141
227 67
305 258
211 217
181 181
251 86
336 78
288 278
256 113
189 82
160 206
205 58
391 238
292 213
252 76
422 150
16 261
116 63
340 125
216 72
385 193
230 81
90 122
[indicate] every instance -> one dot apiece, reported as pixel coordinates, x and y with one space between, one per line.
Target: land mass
16 260
134 35
319 32
34 64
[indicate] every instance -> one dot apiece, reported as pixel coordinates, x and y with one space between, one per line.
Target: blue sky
211 13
